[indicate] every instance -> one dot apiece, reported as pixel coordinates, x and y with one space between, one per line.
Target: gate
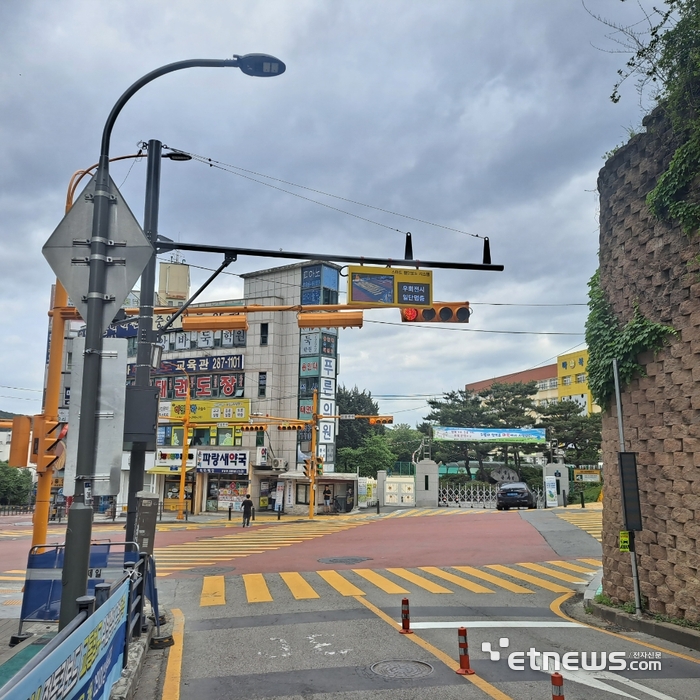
400 491
480 496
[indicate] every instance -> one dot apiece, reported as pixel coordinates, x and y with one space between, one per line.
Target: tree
403 441
579 434
459 409
372 455
15 485
351 433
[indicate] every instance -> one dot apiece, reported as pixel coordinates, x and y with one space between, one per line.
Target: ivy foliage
666 55
607 341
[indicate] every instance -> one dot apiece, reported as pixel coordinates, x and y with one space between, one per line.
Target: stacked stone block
653 265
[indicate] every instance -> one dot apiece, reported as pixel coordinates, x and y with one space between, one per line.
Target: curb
663 630
124 688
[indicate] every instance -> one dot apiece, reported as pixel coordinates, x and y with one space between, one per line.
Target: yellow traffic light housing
319 466
19 446
291 426
202 322
330 319
439 312
381 420
308 468
253 427
44 440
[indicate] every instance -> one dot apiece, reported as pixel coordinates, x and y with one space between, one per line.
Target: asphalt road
301 609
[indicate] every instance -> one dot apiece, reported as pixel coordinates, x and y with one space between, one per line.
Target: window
542 384
581 378
264 330
303 494
260 438
566 381
262 384
553 383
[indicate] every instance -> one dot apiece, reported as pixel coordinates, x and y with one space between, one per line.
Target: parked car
516 495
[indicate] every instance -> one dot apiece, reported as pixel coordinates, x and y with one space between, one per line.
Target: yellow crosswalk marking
341 584
571 567
298 586
457 580
256 589
551 572
535 580
381 582
213 591
419 581
495 580
593 562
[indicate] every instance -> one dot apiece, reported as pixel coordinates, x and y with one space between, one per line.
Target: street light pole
145 328
79 527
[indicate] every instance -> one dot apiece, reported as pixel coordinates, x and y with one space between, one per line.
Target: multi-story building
239 377
546 378
565 380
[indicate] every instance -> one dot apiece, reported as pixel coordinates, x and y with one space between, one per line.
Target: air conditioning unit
279 463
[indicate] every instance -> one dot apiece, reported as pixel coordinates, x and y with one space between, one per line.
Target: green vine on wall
608 341
665 49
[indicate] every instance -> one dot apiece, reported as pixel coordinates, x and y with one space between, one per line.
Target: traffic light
330 319
381 420
319 466
253 427
44 439
440 312
228 322
291 426
19 446
308 468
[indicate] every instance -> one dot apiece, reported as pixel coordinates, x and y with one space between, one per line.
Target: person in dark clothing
247 507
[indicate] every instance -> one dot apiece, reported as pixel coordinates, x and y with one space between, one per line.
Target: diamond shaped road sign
68 252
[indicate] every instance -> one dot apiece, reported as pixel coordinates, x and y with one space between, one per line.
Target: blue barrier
41 601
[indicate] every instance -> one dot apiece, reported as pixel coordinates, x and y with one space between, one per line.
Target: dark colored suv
517 495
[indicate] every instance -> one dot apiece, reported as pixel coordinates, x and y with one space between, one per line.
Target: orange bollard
557 686
464 667
405 618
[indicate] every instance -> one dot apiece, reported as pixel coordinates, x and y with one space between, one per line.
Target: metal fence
480 496
16 510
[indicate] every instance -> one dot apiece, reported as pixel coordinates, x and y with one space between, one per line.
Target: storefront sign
309 368
212 411
326 388
261 456
328 367
172 457
326 431
222 462
216 363
203 386
309 344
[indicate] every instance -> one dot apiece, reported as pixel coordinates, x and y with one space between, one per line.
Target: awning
167 470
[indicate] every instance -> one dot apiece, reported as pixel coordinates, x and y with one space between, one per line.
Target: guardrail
16 510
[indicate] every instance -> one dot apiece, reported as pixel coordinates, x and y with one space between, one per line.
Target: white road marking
473 624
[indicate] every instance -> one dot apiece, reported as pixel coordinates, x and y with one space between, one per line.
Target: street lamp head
177 155
260 65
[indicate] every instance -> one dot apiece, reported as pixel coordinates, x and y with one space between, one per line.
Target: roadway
312 609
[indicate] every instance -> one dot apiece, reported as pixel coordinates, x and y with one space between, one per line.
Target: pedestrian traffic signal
291 426
308 468
319 466
44 440
253 427
440 312
381 420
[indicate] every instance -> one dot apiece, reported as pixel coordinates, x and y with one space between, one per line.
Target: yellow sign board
624 541
209 411
587 475
389 286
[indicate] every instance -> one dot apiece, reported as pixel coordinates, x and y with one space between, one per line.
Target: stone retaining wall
653 265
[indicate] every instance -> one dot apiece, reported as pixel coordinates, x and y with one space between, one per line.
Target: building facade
237 378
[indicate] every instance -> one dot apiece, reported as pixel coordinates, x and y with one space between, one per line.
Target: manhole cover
209 571
401 669
344 560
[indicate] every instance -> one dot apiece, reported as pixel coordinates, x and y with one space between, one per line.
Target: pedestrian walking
247 507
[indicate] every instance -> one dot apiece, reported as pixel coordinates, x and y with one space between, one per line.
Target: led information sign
388 286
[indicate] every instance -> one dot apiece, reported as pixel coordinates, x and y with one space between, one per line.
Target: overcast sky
487 117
